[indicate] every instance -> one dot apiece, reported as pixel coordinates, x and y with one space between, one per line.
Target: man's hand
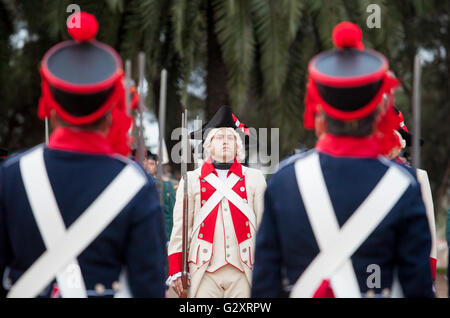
178 286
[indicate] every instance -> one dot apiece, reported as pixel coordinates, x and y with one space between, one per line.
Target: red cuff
175 261
433 262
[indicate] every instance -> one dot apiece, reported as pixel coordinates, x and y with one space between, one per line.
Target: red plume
83 27
347 35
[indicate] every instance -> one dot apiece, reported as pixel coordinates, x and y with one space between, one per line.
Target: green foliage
265 45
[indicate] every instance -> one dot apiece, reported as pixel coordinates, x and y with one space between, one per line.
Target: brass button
99 289
242 189
244 250
248 235
203 201
370 293
246 223
203 224
200 235
205 250
203 189
115 286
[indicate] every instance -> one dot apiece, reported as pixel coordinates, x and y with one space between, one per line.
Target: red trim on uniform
209 226
238 218
324 290
433 263
196 257
71 139
236 168
337 81
175 263
47 102
207 168
365 147
55 291
81 88
313 100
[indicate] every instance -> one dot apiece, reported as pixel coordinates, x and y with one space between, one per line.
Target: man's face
150 166
223 145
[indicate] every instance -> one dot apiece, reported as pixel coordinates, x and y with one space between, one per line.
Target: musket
416 111
184 153
46 130
162 127
128 85
141 69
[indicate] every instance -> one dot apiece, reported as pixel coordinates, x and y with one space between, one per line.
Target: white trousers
226 282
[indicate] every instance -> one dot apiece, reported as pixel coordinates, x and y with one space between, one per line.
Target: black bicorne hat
224 118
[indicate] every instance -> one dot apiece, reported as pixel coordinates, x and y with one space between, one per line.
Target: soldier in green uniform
150 165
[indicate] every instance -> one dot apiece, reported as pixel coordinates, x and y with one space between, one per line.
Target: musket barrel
184 149
416 111
141 69
162 127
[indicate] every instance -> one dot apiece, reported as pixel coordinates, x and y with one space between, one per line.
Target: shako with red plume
82 80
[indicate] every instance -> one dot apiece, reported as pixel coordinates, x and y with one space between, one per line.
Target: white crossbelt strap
214 200
323 221
232 196
353 233
80 234
48 218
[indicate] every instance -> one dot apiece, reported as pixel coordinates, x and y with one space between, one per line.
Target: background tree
252 55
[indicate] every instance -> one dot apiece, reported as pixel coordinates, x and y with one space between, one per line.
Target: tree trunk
216 78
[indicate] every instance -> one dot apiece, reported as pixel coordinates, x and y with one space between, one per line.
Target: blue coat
285 243
135 238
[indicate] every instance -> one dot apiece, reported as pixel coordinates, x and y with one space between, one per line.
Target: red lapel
240 221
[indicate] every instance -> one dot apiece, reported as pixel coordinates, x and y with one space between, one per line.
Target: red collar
363 147
70 139
208 167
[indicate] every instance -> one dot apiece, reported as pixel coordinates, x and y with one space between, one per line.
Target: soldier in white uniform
224 211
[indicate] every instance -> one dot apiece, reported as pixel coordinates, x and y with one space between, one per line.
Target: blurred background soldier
150 165
77 210
3 154
168 176
399 153
342 221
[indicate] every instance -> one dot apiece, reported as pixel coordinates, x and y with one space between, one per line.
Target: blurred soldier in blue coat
77 218
341 220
